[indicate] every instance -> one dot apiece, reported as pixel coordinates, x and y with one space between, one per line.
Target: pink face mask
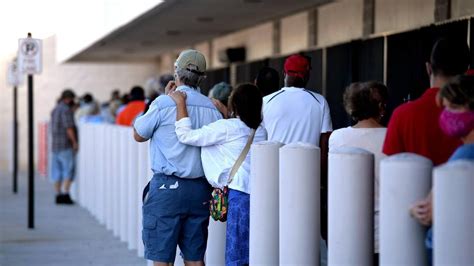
456 124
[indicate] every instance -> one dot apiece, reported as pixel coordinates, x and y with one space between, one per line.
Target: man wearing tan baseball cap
176 200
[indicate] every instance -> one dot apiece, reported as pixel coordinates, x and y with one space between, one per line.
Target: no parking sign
30 56
14 76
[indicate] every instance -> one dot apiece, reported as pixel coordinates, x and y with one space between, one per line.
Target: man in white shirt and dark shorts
294 114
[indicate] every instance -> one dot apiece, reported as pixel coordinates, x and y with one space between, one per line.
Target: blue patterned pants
238 222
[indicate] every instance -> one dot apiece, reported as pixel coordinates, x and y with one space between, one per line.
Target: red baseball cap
297 66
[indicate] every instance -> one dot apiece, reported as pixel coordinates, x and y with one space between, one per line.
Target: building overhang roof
174 24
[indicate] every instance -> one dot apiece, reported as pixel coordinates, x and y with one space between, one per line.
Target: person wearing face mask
456 120
413 126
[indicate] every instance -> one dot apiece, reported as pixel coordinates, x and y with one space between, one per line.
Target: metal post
31 167
15 141
31 151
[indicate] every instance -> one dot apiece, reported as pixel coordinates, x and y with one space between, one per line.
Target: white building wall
257 40
97 78
461 8
402 15
205 49
340 21
294 33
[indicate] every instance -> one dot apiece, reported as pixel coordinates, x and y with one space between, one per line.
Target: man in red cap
294 114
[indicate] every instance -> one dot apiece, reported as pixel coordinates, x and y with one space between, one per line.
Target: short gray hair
189 78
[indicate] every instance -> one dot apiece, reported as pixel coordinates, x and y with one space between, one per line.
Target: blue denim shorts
176 212
62 165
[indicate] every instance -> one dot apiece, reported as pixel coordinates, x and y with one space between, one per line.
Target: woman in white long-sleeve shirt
222 142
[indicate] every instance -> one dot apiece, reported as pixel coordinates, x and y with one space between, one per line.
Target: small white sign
15 78
30 56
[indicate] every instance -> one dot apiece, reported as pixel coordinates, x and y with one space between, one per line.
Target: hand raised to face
170 87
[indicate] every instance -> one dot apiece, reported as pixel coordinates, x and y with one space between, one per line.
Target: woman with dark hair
365 103
222 143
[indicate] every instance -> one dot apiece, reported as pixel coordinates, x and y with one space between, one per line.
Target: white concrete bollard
264 219
124 197
404 179
215 253
299 204
109 142
133 184
79 169
453 234
94 171
83 138
115 179
88 169
101 149
351 207
142 176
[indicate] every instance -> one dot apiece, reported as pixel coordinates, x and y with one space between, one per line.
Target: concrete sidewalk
63 235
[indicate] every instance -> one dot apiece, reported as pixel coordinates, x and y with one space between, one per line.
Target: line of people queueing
192 146
195 141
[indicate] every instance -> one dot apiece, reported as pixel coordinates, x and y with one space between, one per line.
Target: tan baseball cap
191 60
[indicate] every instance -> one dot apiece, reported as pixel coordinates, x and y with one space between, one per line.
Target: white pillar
109 142
142 175
83 165
133 184
94 171
88 168
102 151
215 253
453 232
115 179
404 179
80 168
351 207
264 219
124 197
299 204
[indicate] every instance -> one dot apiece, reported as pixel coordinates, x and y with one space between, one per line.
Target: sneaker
67 199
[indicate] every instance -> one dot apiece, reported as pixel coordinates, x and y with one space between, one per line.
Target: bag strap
242 157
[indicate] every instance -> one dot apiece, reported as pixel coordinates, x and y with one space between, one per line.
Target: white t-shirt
296 115
222 142
370 139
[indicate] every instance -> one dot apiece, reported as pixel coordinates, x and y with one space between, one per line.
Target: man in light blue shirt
176 209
